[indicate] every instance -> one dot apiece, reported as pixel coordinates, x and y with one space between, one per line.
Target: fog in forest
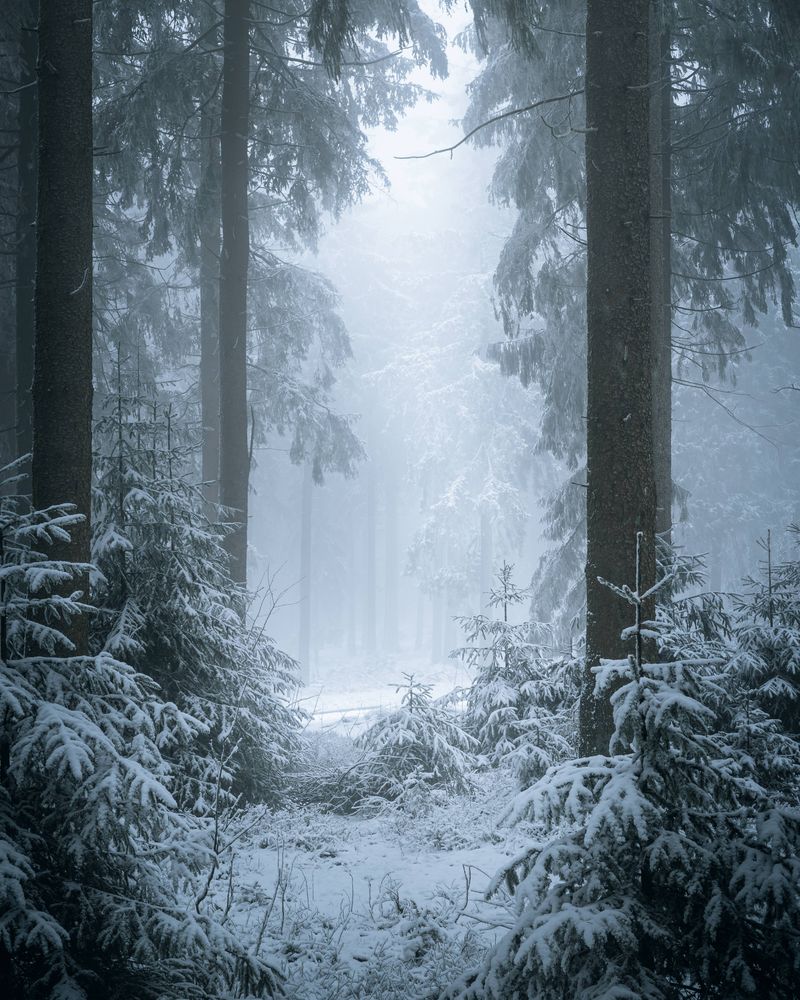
400 507
395 550
456 476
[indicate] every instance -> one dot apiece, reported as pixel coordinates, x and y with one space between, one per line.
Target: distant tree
159 122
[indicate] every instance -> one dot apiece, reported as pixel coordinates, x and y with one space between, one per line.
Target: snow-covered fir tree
169 607
768 633
670 867
521 700
419 746
101 873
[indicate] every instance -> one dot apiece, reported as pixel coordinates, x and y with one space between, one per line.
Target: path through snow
396 896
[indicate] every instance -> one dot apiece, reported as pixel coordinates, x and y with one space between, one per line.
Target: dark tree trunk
661 251
209 211
304 644
234 459
621 497
62 374
26 235
370 607
392 569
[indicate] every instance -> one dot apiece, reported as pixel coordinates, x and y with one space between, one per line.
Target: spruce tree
103 872
412 750
667 867
521 702
727 106
169 606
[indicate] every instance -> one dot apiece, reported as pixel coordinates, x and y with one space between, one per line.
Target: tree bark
62 373
621 499
661 253
209 209
234 458
714 567
304 644
26 236
450 626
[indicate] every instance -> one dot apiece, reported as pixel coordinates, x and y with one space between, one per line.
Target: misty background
455 465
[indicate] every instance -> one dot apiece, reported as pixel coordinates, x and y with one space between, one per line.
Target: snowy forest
400 505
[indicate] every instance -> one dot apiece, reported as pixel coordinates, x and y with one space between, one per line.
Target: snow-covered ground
389 905
386 906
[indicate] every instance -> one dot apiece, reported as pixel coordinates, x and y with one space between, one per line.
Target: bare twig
493 121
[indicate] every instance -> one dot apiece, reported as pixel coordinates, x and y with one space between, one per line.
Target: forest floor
388 905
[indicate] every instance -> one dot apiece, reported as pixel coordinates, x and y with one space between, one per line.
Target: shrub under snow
101 873
669 868
415 748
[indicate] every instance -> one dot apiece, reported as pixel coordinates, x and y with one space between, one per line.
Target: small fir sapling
99 868
419 746
170 608
519 704
769 636
670 867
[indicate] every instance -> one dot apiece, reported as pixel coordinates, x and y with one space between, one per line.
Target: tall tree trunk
304 644
234 459
371 611
486 562
26 233
61 470
392 569
661 256
209 210
420 620
621 498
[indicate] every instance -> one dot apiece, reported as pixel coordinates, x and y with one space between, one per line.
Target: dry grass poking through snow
388 906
